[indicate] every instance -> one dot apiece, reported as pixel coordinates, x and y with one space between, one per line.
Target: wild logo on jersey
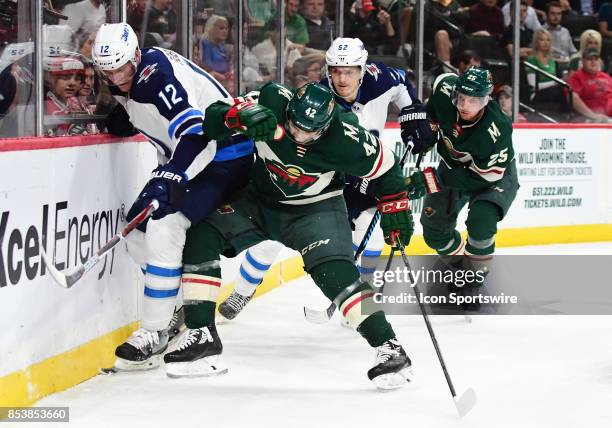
290 179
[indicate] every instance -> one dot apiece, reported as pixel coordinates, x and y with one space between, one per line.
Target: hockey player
165 96
477 167
295 197
366 89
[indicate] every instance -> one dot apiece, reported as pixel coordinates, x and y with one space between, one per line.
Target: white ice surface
528 371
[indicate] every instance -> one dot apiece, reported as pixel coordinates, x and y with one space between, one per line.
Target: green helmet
311 109
475 82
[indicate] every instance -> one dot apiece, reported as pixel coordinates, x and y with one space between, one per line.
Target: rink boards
70 195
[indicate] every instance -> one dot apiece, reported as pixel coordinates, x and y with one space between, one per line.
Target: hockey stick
467 401
317 316
68 280
376 218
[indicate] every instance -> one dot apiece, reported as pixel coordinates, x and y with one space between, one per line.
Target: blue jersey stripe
160 294
162 271
255 263
248 277
372 253
234 152
176 122
365 269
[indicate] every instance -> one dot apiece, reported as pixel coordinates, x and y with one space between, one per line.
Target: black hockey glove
416 128
396 218
168 185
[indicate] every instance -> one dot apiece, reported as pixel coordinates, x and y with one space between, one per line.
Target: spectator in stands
562 45
605 19
544 89
307 69
526 35
504 99
85 16
589 39
266 51
593 86
216 57
297 30
63 82
161 19
373 26
320 28
260 11
87 93
17 106
485 19
251 75
85 44
467 59
531 20
135 13
441 12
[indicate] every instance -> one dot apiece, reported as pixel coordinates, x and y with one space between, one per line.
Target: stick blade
466 402
319 317
59 277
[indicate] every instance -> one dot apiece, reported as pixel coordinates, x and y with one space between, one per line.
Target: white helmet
346 52
115 45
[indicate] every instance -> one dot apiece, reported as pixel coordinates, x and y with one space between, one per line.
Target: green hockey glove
396 218
254 120
423 182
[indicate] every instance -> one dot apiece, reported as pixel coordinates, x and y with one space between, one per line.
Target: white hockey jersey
166 103
380 87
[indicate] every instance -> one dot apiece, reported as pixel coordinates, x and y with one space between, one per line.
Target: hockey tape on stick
467 400
69 279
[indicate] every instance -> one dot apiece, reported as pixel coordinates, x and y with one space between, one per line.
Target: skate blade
122 365
391 381
204 367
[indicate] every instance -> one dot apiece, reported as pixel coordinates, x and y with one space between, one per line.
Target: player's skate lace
387 350
175 319
196 335
143 339
237 301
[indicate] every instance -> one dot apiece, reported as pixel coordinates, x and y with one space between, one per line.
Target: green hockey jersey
294 174
477 153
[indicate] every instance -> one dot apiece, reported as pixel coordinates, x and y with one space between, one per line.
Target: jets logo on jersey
373 70
146 73
290 179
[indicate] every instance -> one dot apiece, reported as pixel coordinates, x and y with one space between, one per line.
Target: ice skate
234 304
176 326
198 354
392 368
141 351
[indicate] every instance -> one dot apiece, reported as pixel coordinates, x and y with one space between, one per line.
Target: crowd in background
565 50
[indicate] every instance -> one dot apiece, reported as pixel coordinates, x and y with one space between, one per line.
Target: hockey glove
416 129
168 185
254 120
423 182
396 218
